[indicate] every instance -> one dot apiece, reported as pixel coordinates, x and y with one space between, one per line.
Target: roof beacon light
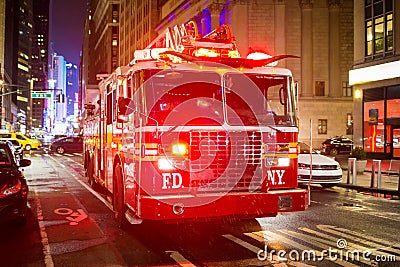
260 56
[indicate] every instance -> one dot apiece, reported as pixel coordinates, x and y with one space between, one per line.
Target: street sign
41 95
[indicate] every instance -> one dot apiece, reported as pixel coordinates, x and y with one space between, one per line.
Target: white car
325 171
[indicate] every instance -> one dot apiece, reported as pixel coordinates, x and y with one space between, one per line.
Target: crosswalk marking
320 243
251 247
355 237
325 239
53 154
274 236
182 261
389 245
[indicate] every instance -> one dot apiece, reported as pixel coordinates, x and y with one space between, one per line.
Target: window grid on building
322 126
378 28
347 89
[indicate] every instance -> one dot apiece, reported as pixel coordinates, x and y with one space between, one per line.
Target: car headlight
304 166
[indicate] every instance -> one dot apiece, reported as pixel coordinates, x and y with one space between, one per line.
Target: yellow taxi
24 141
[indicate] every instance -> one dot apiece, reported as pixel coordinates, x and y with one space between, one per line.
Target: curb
385 192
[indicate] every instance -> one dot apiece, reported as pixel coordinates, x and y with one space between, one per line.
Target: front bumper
237 204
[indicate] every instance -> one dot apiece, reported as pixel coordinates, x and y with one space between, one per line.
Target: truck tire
118 198
334 152
90 172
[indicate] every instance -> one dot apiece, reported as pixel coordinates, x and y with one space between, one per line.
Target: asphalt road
71 225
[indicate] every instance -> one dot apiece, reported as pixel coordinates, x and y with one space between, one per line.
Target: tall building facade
72 88
100 54
23 59
57 111
138 22
18 24
40 53
375 77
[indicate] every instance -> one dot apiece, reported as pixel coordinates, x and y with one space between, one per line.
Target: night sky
66 30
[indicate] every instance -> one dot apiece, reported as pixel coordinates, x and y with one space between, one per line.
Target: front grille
223 160
324 167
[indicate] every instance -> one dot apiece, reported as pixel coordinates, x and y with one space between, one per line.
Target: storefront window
381 120
374 126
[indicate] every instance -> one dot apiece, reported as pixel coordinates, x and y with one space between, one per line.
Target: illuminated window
349 124
319 88
322 126
378 28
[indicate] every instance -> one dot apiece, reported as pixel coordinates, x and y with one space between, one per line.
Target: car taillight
10 189
326 144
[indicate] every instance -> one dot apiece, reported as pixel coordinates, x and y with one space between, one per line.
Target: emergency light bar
149 53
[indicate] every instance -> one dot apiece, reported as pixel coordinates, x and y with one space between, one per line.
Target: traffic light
60 98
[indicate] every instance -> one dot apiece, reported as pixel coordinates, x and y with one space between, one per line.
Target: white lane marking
48 260
252 248
270 236
182 261
388 244
355 238
97 195
319 242
352 247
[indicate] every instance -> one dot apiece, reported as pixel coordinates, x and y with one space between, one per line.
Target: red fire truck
190 130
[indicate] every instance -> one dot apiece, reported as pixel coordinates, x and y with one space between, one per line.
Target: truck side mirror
125 106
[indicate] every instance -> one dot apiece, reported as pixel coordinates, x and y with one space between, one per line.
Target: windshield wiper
169 130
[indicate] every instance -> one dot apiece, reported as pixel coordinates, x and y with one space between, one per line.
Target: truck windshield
259 99
184 98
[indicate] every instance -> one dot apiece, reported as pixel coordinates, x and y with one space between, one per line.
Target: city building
375 77
72 88
138 22
16 34
57 108
39 61
100 51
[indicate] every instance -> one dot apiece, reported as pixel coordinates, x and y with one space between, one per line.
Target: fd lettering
172 180
275 177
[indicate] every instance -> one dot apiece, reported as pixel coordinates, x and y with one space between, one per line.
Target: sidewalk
389 183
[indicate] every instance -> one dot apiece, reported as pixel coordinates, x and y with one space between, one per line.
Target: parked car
67 144
336 145
13 186
16 146
26 142
325 170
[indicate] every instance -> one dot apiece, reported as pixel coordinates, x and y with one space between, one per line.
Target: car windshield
5 159
305 149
